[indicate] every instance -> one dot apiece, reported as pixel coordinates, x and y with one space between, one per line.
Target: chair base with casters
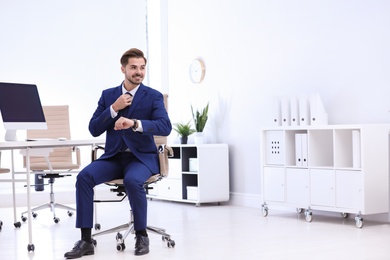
129 227
52 204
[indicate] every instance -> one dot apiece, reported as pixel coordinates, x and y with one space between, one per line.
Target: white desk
30 145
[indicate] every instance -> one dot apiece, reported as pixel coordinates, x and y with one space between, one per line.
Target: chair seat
119 182
54 165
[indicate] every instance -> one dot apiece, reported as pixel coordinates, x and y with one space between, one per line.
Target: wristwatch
135 125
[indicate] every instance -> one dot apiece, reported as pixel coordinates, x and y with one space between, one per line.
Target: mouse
61 138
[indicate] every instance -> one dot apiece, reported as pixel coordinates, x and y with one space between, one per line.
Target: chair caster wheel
31 248
34 214
97 226
70 213
171 243
56 220
120 247
17 224
94 242
24 218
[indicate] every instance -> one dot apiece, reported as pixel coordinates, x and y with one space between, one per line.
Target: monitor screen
21 107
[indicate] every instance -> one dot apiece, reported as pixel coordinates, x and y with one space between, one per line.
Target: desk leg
30 246
13 188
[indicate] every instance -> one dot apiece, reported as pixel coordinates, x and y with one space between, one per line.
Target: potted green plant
200 120
184 130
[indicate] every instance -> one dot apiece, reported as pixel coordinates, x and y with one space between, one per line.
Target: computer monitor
20 108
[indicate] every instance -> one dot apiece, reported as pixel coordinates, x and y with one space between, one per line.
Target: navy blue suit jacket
147 106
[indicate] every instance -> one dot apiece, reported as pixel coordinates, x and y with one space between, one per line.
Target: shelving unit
197 174
338 168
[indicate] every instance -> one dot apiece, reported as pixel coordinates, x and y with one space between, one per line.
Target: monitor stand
10 135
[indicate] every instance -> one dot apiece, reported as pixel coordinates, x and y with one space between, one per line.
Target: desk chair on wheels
59 162
164 152
118 187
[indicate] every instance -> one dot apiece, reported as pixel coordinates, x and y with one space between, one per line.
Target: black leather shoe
80 249
141 245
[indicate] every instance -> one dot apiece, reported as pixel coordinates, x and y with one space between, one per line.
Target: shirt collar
132 92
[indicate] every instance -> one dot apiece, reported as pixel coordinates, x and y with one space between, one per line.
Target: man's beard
139 80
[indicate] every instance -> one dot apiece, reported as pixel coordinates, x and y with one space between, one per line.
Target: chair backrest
162 139
57 120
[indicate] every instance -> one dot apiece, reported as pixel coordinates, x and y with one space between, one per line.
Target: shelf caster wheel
309 216
24 218
120 247
17 224
30 248
265 211
70 213
299 210
56 220
344 215
34 214
359 222
97 226
171 243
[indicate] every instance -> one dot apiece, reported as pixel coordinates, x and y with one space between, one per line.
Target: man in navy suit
130 115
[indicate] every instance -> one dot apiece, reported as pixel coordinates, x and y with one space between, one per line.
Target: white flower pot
199 138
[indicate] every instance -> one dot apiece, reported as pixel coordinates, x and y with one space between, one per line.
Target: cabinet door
322 187
174 168
297 187
349 191
274 184
170 188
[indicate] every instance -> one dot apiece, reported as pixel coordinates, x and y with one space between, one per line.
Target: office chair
59 162
164 152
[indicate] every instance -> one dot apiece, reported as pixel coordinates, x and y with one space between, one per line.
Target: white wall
70 50
255 50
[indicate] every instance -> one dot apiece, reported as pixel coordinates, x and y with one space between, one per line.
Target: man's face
134 70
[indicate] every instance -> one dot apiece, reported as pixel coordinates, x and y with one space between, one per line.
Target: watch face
197 71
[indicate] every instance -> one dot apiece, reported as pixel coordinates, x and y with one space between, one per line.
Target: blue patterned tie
124 113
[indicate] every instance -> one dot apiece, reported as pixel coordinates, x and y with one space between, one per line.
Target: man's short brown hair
132 53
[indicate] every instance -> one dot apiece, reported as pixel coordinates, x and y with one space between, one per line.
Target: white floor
205 232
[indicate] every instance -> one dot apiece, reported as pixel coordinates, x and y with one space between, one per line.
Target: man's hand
123 123
122 101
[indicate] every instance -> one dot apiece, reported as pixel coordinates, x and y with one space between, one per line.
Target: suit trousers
123 165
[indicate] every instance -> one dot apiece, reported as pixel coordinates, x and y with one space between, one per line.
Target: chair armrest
94 152
164 151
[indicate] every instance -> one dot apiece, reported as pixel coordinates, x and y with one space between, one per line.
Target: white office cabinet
197 174
346 169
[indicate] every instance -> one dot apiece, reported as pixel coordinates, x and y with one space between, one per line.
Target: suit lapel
139 95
